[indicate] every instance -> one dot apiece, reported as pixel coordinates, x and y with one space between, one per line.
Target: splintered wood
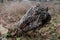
35 17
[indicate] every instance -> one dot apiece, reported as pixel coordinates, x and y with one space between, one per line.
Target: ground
11 13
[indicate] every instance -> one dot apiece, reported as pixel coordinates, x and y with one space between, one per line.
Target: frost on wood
35 17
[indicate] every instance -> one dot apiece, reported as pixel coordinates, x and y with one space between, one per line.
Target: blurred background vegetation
2 1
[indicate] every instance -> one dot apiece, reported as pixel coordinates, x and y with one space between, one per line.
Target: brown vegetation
11 13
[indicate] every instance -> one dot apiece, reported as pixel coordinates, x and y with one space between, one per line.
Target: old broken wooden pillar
35 17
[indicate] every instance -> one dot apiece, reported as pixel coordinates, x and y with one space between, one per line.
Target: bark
31 20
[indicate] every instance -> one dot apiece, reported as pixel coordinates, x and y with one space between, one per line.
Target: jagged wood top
35 17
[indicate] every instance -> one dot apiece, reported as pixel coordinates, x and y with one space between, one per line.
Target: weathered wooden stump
35 17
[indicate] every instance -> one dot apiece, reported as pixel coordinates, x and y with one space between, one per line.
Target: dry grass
12 12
